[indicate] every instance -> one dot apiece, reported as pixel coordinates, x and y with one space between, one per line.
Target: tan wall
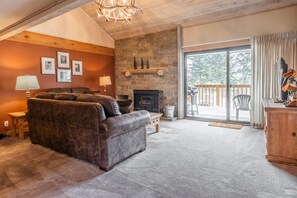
161 51
282 20
75 25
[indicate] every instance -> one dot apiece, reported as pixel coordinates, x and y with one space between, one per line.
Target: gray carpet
186 159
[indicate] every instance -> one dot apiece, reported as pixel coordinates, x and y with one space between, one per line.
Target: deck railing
215 95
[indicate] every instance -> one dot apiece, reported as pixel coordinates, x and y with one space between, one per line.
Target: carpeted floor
186 159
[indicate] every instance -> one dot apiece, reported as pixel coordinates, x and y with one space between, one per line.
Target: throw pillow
109 104
65 96
45 95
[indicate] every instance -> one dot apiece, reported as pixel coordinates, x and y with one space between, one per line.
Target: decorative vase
134 63
142 64
147 64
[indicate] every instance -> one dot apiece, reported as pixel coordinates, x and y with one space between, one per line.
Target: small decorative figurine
147 64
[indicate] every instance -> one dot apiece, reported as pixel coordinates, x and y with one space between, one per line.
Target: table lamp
26 83
103 81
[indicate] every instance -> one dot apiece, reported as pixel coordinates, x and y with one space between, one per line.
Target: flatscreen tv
283 68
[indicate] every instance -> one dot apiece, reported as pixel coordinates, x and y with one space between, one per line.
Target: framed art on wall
63 59
47 65
77 67
63 75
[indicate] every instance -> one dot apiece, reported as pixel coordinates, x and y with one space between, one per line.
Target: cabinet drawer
281 135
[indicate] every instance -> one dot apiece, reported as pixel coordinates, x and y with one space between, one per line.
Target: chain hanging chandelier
117 10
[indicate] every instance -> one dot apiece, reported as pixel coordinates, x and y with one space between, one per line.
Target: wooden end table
155 120
17 123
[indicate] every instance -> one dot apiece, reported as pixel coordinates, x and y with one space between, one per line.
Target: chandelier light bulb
116 10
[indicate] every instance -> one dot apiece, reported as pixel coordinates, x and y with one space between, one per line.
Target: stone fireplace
160 50
150 100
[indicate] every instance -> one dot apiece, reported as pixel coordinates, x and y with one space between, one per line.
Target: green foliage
211 68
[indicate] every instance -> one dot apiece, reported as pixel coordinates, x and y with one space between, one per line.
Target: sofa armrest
117 125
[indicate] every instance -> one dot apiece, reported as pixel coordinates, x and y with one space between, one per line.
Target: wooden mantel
160 71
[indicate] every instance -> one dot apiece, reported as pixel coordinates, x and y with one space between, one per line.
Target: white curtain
267 50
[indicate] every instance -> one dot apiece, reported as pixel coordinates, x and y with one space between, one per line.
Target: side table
155 120
17 123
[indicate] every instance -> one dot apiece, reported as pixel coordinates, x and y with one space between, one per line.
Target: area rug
185 159
225 125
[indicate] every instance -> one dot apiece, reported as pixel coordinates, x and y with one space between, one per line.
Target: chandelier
117 10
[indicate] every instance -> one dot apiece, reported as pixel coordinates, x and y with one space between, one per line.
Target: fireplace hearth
150 100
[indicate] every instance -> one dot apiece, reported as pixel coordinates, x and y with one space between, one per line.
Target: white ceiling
19 15
12 11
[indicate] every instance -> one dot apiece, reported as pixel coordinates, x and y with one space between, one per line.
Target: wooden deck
217 113
211 101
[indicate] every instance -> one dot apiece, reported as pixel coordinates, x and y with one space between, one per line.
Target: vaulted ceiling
17 16
167 14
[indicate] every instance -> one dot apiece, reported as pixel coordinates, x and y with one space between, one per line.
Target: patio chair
192 98
241 102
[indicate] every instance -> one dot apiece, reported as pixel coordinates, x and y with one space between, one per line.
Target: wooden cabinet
280 132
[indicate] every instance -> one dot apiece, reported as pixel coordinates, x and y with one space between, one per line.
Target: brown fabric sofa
86 127
125 104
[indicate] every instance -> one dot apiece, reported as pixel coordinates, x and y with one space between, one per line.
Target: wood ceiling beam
61 43
51 11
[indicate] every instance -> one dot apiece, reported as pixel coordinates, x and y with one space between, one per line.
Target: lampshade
26 83
105 80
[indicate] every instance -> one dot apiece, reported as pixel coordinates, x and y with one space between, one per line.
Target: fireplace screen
146 100
150 100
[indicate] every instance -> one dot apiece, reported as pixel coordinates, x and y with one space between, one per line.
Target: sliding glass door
240 84
218 84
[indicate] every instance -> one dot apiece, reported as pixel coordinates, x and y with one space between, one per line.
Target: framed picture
63 75
76 67
63 59
48 65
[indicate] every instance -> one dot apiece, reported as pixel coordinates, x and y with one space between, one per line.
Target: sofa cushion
45 95
65 96
109 104
81 90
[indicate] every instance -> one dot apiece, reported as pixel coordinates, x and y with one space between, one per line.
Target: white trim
181 71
